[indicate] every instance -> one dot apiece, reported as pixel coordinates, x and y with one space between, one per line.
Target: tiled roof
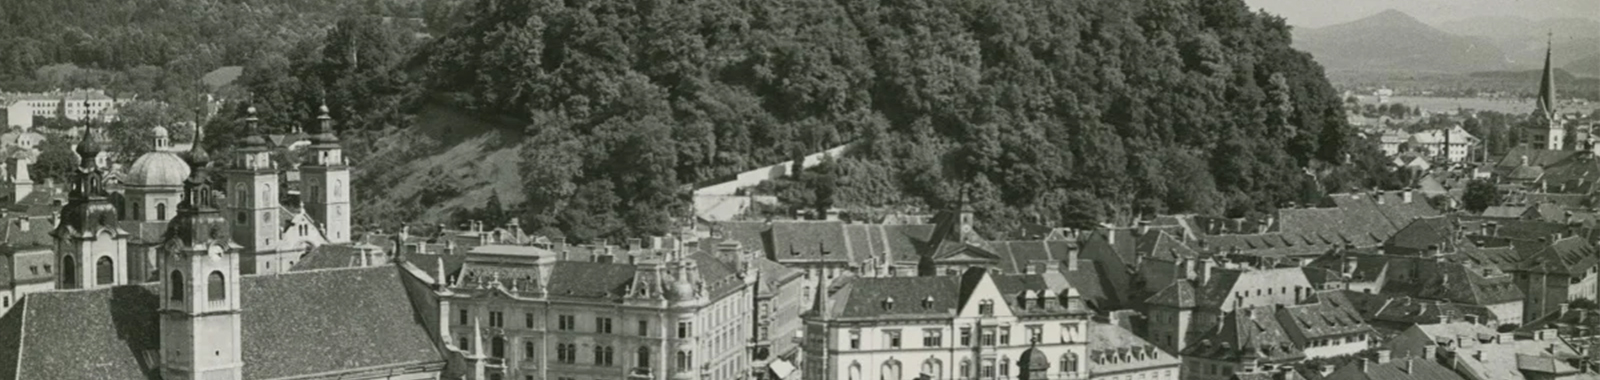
810 241
589 279
1179 294
1247 334
935 296
1535 157
1571 255
293 324
1575 175
1423 234
719 278
1132 352
1397 369
1088 281
45 200
13 237
1363 219
864 297
1503 212
1328 317
1405 310
774 275
1017 255
1159 244
1426 278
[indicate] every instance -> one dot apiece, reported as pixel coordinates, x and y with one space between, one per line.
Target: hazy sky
1318 13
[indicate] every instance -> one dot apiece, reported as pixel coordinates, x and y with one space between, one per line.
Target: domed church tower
155 182
200 315
325 182
91 250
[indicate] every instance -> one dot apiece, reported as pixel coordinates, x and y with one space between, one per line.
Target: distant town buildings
22 109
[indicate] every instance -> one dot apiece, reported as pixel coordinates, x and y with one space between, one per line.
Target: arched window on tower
69 272
104 271
175 286
216 287
161 211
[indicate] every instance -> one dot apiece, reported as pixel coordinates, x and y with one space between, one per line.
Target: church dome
157 169
160 132
1034 360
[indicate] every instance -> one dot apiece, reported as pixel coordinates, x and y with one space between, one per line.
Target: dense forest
1074 112
1069 112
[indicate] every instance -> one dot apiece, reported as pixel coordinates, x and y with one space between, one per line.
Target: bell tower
252 191
200 317
325 182
91 249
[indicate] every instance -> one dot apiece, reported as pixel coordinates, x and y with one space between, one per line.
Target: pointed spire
820 303
1547 83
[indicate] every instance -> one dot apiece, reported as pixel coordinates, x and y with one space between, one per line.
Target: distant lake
1503 105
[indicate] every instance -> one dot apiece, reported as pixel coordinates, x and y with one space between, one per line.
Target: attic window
927 303
888 303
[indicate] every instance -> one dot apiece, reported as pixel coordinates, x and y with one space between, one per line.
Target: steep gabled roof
1179 294
1247 334
1424 233
1328 317
294 324
810 241
1571 255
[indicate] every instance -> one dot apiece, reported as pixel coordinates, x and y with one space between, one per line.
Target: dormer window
927 303
986 307
888 303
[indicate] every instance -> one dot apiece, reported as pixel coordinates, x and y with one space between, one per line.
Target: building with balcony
975 325
623 314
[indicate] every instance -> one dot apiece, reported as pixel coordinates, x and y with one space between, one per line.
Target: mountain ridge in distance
1393 41
1524 41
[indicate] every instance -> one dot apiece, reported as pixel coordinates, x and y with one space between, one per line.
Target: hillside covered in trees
1076 112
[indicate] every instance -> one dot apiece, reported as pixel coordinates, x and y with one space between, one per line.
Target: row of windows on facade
1337 340
567 353
564 322
934 368
988 336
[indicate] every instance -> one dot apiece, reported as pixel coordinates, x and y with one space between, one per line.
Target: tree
1479 195
56 160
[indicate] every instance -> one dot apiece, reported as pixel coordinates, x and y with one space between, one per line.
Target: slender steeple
819 304
1547 85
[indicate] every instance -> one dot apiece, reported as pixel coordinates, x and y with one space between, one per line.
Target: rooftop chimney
1406 196
1383 356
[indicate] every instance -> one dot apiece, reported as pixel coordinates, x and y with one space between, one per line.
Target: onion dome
253 138
1034 360
157 169
91 146
324 129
